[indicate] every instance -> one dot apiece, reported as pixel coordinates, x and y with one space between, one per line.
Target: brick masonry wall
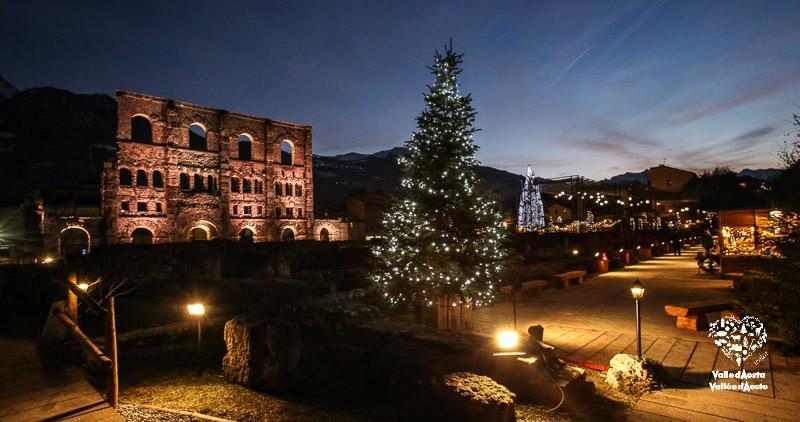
171 212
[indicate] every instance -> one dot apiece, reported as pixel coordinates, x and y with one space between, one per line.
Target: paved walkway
591 323
35 387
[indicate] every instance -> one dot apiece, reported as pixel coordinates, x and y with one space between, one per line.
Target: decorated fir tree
530 215
442 237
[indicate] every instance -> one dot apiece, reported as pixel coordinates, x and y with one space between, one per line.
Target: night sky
596 88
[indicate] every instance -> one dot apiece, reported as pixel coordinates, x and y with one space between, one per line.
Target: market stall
743 238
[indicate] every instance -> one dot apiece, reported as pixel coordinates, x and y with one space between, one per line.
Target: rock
628 374
261 354
469 397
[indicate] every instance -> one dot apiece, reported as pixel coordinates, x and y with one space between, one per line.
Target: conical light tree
530 215
442 237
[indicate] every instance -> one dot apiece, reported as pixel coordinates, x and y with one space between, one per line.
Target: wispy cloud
751 94
755 133
735 151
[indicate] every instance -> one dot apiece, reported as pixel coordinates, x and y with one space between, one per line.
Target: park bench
534 285
692 316
565 278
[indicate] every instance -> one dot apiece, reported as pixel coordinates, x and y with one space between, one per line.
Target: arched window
288 189
246 235
324 235
141 130
211 184
198 183
125 177
184 181
198 233
245 147
278 189
298 190
158 180
142 236
141 178
197 137
287 153
246 186
258 187
287 234
234 184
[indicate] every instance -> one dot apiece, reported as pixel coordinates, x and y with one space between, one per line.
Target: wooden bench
565 278
534 285
692 316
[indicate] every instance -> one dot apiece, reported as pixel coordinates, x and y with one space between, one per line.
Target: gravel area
135 413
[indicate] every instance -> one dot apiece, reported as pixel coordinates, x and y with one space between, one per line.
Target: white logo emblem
739 339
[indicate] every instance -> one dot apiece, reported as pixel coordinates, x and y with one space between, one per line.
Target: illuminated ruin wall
188 172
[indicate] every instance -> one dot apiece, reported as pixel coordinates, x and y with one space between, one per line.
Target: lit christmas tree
442 237
531 212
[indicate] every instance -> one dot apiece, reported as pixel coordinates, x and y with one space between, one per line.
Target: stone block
465 396
262 354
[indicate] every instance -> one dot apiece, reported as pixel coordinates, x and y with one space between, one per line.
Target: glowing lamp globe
637 289
507 339
196 309
83 286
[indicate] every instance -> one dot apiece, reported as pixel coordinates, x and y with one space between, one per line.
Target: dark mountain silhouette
51 139
7 89
761 174
336 177
642 177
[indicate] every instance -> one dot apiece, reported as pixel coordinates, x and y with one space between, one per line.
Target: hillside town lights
637 291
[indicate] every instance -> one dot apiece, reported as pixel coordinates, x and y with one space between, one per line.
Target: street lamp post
637 290
197 310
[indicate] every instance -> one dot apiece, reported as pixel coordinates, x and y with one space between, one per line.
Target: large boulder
261 354
628 374
469 397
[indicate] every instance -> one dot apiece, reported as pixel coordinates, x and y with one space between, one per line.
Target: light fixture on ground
508 344
197 311
507 339
637 291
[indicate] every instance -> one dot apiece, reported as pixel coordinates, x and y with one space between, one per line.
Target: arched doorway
246 235
142 236
324 236
287 234
198 234
75 241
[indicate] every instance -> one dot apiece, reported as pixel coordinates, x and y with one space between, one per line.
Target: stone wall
221 193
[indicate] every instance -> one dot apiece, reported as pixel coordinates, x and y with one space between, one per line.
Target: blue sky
590 88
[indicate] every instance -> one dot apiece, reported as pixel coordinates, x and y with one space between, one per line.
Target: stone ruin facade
185 172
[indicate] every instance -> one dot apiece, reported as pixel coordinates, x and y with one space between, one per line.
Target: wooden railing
107 357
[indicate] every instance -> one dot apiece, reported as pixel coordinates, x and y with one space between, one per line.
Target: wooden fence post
112 395
72 300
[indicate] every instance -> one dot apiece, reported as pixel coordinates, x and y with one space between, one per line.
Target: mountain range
53 139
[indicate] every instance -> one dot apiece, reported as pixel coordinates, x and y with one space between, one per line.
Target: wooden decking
689 363
590 324
36 386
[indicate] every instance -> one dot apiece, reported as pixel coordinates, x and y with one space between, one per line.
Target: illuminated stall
744 238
